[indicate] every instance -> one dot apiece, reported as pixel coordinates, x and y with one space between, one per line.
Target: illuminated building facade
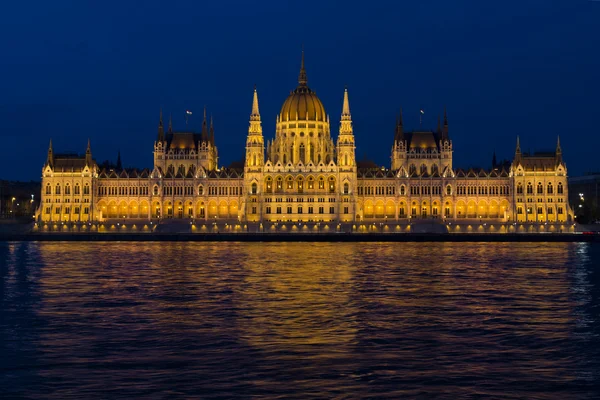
303 179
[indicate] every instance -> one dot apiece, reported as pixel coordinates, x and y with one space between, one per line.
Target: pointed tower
253 166
445 128
161 131
558 153
302 79
170 124
399 146
255 141
518 154
345 142
211 132
204 128
88 154
346 161
50 158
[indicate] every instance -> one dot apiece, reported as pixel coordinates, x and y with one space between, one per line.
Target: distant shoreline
301 237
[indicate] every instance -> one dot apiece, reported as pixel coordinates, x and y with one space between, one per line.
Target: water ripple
299 320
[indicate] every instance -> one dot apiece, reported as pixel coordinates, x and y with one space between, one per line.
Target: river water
299 320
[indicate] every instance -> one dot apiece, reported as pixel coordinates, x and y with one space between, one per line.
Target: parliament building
303 180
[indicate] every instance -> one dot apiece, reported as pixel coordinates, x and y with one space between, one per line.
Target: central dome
302 104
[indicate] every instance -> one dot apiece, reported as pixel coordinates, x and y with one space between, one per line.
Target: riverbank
300 237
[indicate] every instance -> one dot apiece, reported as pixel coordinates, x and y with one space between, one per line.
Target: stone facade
302 180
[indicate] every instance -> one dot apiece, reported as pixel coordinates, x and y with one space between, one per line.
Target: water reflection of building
302 176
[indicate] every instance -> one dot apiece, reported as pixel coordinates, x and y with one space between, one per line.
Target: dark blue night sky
72 70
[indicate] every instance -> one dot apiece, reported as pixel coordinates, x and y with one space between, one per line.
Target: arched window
345 159
290 182
302 153
279 183
67 189
254 188
412 169
57 191
171 169
181 169
449 190
48 189
77 189
529 188
346 188
268 185
423 169
550 189
332 185
200 190
402 190
155 190
86 189
434 169
519 188
540 188
321 183
300 185
560 188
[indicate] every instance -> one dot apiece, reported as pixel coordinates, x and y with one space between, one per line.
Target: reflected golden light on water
370 319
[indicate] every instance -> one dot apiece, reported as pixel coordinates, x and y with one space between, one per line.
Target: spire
302 80
255 116
346 107
445 128
518 150
255 127
558 151
399 136
401 121
161 131
212 132
170 123
50 159
346 119
204 128
88 154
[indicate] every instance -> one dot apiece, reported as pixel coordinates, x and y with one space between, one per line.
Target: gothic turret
445 128
345 142
558 151
211 132
518 154
255 141
399 146
88 154
161 131
204 128
50 158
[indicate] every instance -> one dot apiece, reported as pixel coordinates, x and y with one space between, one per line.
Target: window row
122 191
67 189
540 188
